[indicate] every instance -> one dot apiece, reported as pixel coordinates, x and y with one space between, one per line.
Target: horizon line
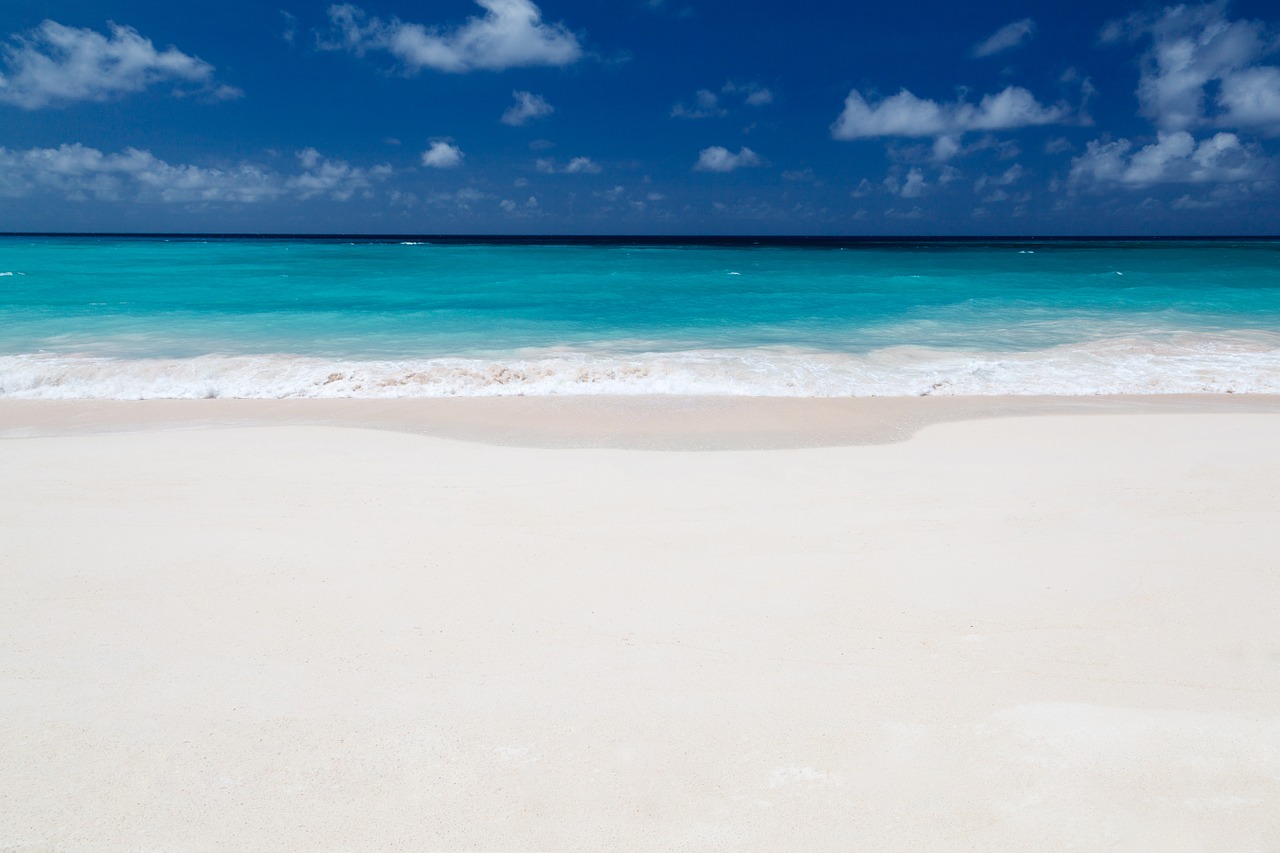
650 238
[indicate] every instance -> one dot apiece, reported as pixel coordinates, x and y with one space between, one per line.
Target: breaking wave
1244 363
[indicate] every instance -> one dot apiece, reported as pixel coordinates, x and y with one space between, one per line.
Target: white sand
1039 633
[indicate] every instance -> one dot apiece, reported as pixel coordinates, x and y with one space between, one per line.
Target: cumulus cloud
510 34
1007 37
442 155
583 166
78 172
527 107
54 64
911 186
720 159
1174 157
1251 98
1192 49
335 179
904 114
529 208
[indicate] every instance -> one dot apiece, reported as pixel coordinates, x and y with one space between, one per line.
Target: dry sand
1019 633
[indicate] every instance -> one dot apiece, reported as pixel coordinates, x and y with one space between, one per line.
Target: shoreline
603 422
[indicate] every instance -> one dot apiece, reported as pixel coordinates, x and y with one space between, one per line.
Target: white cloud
1173 158
1251 98
1193 47
442 155
529 208
291 26
576 166
912 186
528 106
904 114
706 104
720 159
862 190
54 64
461 200
1007 178
946 147
583 166
1007 37
511 34
78 172
709 104
752 95
335 179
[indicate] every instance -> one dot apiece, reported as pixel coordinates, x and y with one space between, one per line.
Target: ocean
145 318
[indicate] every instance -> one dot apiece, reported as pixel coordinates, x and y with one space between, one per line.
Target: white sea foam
1244 363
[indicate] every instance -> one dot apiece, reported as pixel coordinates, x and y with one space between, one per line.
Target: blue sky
640 117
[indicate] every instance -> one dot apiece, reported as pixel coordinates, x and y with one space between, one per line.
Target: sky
666 117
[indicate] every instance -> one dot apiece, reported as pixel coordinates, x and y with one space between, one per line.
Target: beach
645 623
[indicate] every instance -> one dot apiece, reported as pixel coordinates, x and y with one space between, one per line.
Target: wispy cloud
54 65
802 176
527 107
720 159
706 104
576 166
709 104
511 34
1006 38
752 95
79 172
1008 177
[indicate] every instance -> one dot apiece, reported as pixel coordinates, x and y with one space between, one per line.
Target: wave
1187 364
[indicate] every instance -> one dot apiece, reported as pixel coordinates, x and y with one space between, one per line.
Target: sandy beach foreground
921 627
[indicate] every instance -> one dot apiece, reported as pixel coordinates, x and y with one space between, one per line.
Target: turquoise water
135 318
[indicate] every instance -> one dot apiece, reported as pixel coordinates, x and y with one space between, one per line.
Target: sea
94 317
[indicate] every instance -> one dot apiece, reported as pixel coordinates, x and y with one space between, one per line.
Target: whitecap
1241 362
